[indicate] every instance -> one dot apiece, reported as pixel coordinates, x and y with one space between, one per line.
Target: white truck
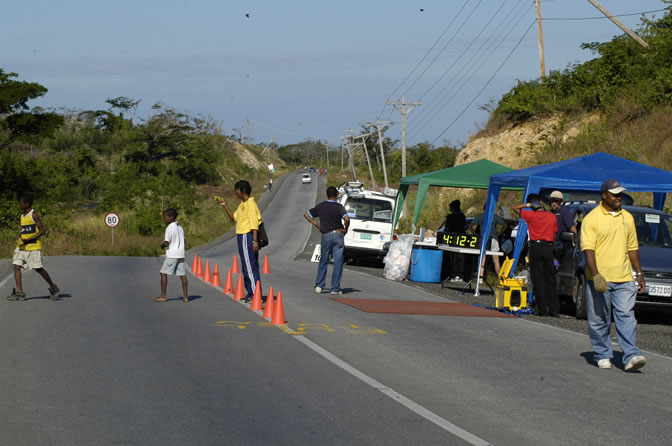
370 215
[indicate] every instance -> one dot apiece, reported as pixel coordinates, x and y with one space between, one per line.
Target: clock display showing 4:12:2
460 240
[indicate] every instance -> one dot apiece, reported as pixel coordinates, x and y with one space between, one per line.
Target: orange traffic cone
199 269
207 278
228 285
194 265
268 310
265 269
256 298
240 292
278 311
234 267
215 277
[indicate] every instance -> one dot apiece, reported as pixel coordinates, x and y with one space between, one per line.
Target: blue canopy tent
582 173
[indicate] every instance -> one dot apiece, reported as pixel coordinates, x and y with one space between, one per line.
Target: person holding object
330 213
609 242
174 262
542 226
248 219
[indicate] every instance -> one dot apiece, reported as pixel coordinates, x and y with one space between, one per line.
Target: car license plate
365 236
660 290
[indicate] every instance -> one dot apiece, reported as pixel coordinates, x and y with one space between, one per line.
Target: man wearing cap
609 242
565 224
542 226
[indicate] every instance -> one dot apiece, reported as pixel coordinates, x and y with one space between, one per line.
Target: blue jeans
621 296
332 244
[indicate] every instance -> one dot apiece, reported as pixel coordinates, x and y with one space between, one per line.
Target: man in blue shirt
333 231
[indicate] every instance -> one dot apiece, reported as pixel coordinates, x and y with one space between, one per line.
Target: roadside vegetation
81 164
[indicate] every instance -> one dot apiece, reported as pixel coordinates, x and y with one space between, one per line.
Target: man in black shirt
455 222
333 231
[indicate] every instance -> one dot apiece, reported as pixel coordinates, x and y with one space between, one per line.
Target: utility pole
349 135
542 64
404 111
342 138
380 125
366 152
326 146
618 23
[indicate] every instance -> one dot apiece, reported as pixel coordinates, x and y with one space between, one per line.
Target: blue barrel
426 265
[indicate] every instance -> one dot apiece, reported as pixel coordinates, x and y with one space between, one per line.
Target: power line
465 50
487 83
490 40
426 54
445 46
602 17
474 67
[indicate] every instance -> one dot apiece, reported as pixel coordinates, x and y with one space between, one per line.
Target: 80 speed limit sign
112 219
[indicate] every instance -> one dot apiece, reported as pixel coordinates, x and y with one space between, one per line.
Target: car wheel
580 296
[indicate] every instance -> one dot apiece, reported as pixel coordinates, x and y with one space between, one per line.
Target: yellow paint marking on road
354 329
305 327
240 325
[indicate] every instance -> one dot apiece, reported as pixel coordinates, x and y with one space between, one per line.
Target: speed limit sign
112 219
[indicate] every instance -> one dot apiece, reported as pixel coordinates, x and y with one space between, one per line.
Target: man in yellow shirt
609 242
248 219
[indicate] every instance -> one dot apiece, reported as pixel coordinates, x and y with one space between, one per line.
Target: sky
302 69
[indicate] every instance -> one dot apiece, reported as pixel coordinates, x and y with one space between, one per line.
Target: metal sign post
112 221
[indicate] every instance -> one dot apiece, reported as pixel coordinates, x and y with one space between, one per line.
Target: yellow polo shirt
611 236
247 216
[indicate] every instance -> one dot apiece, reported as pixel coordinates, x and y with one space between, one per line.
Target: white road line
409 404
5 280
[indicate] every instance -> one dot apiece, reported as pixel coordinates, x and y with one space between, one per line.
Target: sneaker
604 363
635 363
337 293
458 279
53 292
16 296
318 290
246 299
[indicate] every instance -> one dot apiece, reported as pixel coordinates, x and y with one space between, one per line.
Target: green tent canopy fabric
474 175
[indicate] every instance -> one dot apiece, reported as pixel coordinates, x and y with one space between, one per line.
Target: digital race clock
458 240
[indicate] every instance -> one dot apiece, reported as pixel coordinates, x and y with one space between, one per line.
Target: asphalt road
106 365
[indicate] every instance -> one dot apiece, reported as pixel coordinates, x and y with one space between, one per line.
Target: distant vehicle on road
305 178
370 215
654 232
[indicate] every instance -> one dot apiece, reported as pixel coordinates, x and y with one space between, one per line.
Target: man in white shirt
174 263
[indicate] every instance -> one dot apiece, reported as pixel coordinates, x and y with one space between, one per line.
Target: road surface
106 365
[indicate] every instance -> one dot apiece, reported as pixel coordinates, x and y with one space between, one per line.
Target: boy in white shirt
174 263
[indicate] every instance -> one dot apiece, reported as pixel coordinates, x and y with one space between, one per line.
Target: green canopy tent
474 175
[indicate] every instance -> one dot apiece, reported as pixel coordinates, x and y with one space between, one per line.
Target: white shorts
174 266
494 244
28 259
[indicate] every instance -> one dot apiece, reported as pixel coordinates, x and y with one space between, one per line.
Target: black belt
541 241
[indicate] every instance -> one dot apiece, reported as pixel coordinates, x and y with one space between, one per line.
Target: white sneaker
337 293
318 290
604 363
635 363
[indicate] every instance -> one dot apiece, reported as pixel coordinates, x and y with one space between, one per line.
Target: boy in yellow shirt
28 252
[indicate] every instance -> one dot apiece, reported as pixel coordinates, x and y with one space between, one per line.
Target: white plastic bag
398 258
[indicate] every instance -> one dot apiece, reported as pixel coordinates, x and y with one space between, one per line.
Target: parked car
305 178
370 215
654 233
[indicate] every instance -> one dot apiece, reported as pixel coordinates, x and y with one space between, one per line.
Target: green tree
18 122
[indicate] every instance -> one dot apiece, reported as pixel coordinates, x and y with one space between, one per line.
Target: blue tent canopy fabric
582 173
